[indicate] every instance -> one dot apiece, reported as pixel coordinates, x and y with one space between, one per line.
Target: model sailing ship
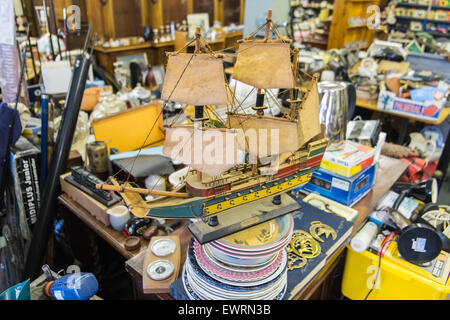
211 188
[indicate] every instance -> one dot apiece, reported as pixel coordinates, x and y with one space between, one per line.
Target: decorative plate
219 273
250 268
260 237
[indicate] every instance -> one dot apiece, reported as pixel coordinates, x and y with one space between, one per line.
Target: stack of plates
251 264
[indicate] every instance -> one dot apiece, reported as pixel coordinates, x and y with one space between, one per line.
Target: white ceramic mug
118 216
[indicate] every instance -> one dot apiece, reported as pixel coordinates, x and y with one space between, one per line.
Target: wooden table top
372 105
388 172
115 238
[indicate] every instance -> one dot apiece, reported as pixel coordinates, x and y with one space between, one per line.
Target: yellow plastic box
397 279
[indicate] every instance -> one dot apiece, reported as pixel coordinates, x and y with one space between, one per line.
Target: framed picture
159 74
140 59
41 16
195 20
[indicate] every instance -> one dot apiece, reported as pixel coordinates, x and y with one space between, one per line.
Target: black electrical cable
380 253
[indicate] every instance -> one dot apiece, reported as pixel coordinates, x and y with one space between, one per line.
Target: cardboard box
429 110
345 190
350 159
25 167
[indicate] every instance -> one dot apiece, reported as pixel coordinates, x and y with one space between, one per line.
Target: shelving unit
405 16
317 39
342 33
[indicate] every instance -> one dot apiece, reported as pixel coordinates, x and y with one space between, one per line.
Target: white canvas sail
194 79
264 136
308 122
264 65
210 151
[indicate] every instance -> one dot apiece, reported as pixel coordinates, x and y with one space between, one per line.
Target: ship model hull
294 143
207 202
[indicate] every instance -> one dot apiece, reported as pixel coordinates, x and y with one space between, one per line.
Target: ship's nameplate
243 217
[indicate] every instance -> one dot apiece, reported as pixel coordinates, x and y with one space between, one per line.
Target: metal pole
42 229
49 31
44 138
52 8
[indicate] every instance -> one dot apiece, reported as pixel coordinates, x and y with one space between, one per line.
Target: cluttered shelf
372 105
417 5
423 19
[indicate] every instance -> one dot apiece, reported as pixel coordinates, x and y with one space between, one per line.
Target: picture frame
195 20
140 58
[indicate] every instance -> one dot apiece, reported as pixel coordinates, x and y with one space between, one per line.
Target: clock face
299 12
163 247
160 270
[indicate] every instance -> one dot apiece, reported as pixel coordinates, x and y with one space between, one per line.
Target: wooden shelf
363 0
439 34
314 41
342 32
423 19
372 105
357 27
410 5
163 44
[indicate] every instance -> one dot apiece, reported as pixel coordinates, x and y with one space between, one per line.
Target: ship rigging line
156 120
275 29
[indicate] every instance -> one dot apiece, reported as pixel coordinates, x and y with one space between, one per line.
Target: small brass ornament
319 229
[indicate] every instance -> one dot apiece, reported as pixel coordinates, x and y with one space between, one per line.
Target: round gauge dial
163 247
160 270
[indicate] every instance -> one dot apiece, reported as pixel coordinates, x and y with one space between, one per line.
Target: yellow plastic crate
397 279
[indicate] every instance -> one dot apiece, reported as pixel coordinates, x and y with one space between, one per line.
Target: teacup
119 216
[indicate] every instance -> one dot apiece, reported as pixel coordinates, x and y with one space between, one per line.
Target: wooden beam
218 11
109 22
145 13
190 6
30 13
96 18
242 13
156 8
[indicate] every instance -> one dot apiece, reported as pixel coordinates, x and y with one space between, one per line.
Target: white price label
340 184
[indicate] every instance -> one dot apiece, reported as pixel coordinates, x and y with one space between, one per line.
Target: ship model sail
285 151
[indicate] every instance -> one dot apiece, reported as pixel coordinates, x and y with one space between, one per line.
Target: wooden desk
116 240
111 236
107 56
155 53
232 38
389 171
372 105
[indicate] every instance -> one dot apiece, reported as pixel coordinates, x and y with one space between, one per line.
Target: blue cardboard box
345 190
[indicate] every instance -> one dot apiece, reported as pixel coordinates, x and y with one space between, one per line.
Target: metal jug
336 100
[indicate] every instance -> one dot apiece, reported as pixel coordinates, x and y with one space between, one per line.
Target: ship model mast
295 140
